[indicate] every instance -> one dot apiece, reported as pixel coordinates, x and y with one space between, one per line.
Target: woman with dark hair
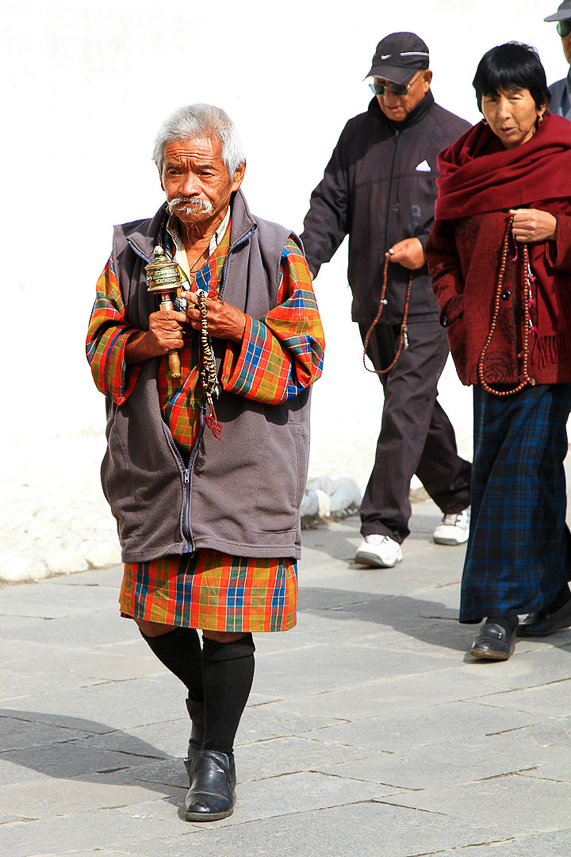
500 257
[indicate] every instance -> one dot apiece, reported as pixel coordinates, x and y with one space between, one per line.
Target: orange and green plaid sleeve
282 353
107 336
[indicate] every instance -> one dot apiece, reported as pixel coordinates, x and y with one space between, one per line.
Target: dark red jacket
463 258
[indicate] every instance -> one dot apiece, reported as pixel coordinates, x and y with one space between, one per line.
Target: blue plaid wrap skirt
519 551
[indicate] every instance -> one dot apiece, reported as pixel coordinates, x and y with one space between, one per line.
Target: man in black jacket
561 90
379 188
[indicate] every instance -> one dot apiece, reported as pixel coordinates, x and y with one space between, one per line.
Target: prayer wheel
163 278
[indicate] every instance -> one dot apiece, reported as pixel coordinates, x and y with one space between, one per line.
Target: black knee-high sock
180 652
227 674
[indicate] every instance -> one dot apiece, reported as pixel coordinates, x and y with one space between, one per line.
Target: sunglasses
395 88
564 27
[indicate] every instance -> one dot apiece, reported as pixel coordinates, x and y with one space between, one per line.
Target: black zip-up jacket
379 188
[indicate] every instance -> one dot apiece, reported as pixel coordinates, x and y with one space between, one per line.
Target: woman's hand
532 224
224 320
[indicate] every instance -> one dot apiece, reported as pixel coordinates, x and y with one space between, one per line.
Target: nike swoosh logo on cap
385 56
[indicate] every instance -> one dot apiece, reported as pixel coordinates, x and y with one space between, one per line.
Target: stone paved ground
369 731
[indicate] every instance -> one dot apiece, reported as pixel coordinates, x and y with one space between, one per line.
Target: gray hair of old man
202 121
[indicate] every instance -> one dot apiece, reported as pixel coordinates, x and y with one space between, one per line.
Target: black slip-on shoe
493 643
543 623
211 795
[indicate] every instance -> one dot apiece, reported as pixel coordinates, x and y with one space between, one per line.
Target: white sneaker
454 529
379 551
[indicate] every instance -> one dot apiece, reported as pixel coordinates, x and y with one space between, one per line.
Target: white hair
202 121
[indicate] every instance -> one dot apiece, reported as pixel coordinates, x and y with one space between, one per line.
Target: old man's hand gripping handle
163 278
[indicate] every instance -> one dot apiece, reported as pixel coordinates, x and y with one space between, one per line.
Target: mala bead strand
403 336
208 375
208 371
526 380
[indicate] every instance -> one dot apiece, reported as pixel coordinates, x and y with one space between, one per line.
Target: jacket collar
413 117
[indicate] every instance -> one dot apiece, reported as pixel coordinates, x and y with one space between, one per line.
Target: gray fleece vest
240 494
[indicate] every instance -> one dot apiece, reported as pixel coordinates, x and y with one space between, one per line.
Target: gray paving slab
511 804
552 699
439 724
369 730
559 770
536 845
68 760
389 696
265 759
464 761
365 829
83 832
120 703
44 799
152 740
55 667
19 731
103 624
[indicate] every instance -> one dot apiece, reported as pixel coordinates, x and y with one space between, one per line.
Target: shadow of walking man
71 748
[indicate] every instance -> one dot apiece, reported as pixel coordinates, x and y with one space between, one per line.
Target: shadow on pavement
74 748
427 621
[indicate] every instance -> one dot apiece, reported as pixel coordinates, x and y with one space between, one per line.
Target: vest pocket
281 479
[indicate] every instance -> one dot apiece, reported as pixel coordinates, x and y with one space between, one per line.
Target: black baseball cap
399 55
563 12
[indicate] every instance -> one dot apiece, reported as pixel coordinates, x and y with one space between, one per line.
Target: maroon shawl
477 174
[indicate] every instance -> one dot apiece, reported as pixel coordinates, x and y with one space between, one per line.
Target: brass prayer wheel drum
162 279
162 274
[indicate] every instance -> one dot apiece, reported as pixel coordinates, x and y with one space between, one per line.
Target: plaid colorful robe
280 355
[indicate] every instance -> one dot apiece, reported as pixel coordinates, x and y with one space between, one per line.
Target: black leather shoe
493 643
211 795
543 623
196 713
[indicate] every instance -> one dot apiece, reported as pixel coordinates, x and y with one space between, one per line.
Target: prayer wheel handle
163 278
174 359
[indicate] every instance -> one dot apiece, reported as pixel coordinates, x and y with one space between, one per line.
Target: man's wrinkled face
397 107
196 180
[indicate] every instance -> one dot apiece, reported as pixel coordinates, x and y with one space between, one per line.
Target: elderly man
561 90
379 188
206 490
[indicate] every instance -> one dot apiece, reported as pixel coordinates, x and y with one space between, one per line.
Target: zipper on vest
187 477
186 514
185 526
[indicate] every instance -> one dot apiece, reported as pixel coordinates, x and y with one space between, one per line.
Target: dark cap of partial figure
563 12
399 55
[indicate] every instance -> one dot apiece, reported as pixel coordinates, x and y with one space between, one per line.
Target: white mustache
190 203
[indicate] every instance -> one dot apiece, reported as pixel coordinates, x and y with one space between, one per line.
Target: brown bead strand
526 380
208 375
403 328
208 371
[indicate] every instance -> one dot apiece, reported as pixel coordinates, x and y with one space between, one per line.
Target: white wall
86 85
